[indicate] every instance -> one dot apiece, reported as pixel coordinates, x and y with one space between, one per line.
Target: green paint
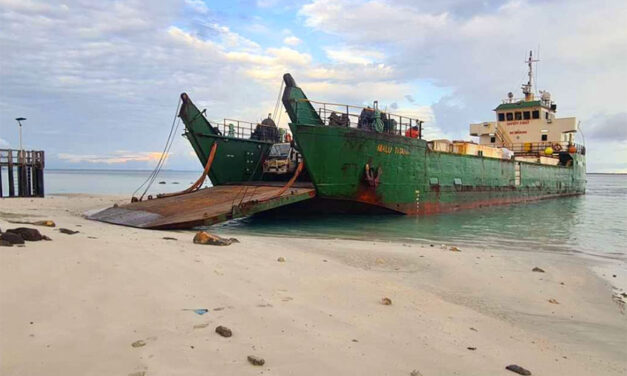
237 160
518 105
414 179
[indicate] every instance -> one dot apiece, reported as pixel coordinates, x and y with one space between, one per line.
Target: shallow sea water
593 224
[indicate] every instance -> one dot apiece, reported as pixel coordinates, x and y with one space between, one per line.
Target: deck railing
343 115
540 147
246 130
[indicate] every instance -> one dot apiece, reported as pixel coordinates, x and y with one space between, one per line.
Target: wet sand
76 304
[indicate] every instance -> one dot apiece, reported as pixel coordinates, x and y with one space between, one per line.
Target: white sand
318 313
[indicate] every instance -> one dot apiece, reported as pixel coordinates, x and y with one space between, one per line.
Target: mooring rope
168 144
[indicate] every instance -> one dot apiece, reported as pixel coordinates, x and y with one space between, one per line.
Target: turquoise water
593 224
115 182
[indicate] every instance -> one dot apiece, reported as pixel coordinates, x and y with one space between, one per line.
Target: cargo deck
204 207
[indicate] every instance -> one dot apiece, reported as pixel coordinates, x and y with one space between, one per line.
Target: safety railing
367 118
247 130
541 147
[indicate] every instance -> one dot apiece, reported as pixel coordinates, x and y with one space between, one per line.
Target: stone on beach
255 360
203 237
281 259
29 234
518 369
536 269
5 243
47 223
12 238
224 331
138 343
68 231
386 301
553 301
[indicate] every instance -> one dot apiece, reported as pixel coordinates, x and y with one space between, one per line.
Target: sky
99 82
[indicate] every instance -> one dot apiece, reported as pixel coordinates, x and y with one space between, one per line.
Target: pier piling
29 167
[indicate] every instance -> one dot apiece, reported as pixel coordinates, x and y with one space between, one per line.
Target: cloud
4 143
292 40
116 157
198 6
353 55
607 127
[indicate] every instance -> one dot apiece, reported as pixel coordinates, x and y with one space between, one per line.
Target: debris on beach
161 182
138 343
553 301
536 269
518 369
5 243
12 238
68 231
169 238
198 311
201 326
29 234
203 237
281 259
386 301
256 361
415 373
471 348
224 331
455 249
46 223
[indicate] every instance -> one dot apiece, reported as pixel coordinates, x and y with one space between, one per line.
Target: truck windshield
280 150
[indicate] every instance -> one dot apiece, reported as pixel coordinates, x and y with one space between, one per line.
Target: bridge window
536 114
546 115
544 137
492 139
526 115
510 116
518 116
501 116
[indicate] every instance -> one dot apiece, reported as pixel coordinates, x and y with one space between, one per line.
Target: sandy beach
77 304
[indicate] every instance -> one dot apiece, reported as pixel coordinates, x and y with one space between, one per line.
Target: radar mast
527 88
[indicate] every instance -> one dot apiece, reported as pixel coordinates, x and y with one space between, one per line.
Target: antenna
527 88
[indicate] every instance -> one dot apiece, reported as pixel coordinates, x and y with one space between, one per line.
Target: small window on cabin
501 117
510 116
492 139
544 137
526 115
518 115
546 115
536 114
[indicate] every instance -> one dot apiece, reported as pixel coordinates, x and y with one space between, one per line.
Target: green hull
412 179
416 180
236 160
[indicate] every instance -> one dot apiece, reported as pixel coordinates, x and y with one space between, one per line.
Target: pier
21 173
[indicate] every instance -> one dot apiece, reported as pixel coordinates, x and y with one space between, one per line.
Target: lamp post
19 121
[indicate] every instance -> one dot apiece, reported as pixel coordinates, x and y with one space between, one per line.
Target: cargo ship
376 159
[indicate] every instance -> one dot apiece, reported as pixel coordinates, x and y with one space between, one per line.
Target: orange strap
291 181
202 177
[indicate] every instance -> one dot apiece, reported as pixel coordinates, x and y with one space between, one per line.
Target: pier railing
343 115
24 170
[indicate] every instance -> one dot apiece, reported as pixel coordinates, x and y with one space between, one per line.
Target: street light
19 121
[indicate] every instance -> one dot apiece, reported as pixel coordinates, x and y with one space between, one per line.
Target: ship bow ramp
204 207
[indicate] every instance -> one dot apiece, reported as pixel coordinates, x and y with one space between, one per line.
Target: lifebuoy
557 147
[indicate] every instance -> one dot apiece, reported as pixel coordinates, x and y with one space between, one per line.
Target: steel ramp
206 206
